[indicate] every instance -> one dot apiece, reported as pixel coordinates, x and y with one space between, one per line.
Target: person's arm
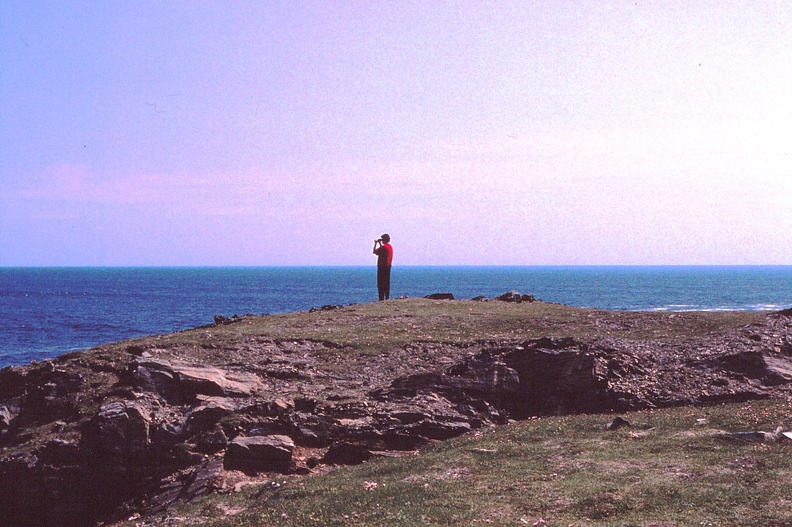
377 243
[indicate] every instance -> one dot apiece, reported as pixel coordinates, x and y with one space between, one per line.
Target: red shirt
384 255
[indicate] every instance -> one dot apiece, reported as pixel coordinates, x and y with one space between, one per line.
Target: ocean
45 312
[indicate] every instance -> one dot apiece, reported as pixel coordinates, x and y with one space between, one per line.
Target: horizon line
405 266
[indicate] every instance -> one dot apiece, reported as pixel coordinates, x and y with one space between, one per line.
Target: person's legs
383 284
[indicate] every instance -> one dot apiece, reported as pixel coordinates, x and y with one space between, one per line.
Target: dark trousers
383 281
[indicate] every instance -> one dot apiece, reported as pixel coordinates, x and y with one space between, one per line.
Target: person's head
385 238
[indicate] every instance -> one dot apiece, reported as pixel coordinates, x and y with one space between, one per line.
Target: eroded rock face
555 382
768 369
543 377
119 433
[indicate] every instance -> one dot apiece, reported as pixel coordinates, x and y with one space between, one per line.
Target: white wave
765 307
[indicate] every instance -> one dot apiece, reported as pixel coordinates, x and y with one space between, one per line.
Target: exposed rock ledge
105 432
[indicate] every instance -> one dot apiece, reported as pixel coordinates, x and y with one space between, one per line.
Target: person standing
384 252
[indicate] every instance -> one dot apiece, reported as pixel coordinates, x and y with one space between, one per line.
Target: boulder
214 381
178 382
260 454
514 296
440 296
220 320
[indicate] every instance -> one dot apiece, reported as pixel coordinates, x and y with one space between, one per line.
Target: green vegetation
379 326
672 467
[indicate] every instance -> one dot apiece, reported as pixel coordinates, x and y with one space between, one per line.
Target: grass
379 326
672 467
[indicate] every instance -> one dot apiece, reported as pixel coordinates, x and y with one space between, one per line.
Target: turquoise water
45 312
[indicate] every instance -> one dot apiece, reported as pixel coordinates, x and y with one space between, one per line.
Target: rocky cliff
133 427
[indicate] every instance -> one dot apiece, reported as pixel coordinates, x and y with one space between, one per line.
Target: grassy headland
671 467
389 379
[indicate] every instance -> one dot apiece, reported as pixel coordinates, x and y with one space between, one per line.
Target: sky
137 133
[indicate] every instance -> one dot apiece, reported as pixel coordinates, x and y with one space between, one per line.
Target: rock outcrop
178 382
514 296
94 435
440 296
